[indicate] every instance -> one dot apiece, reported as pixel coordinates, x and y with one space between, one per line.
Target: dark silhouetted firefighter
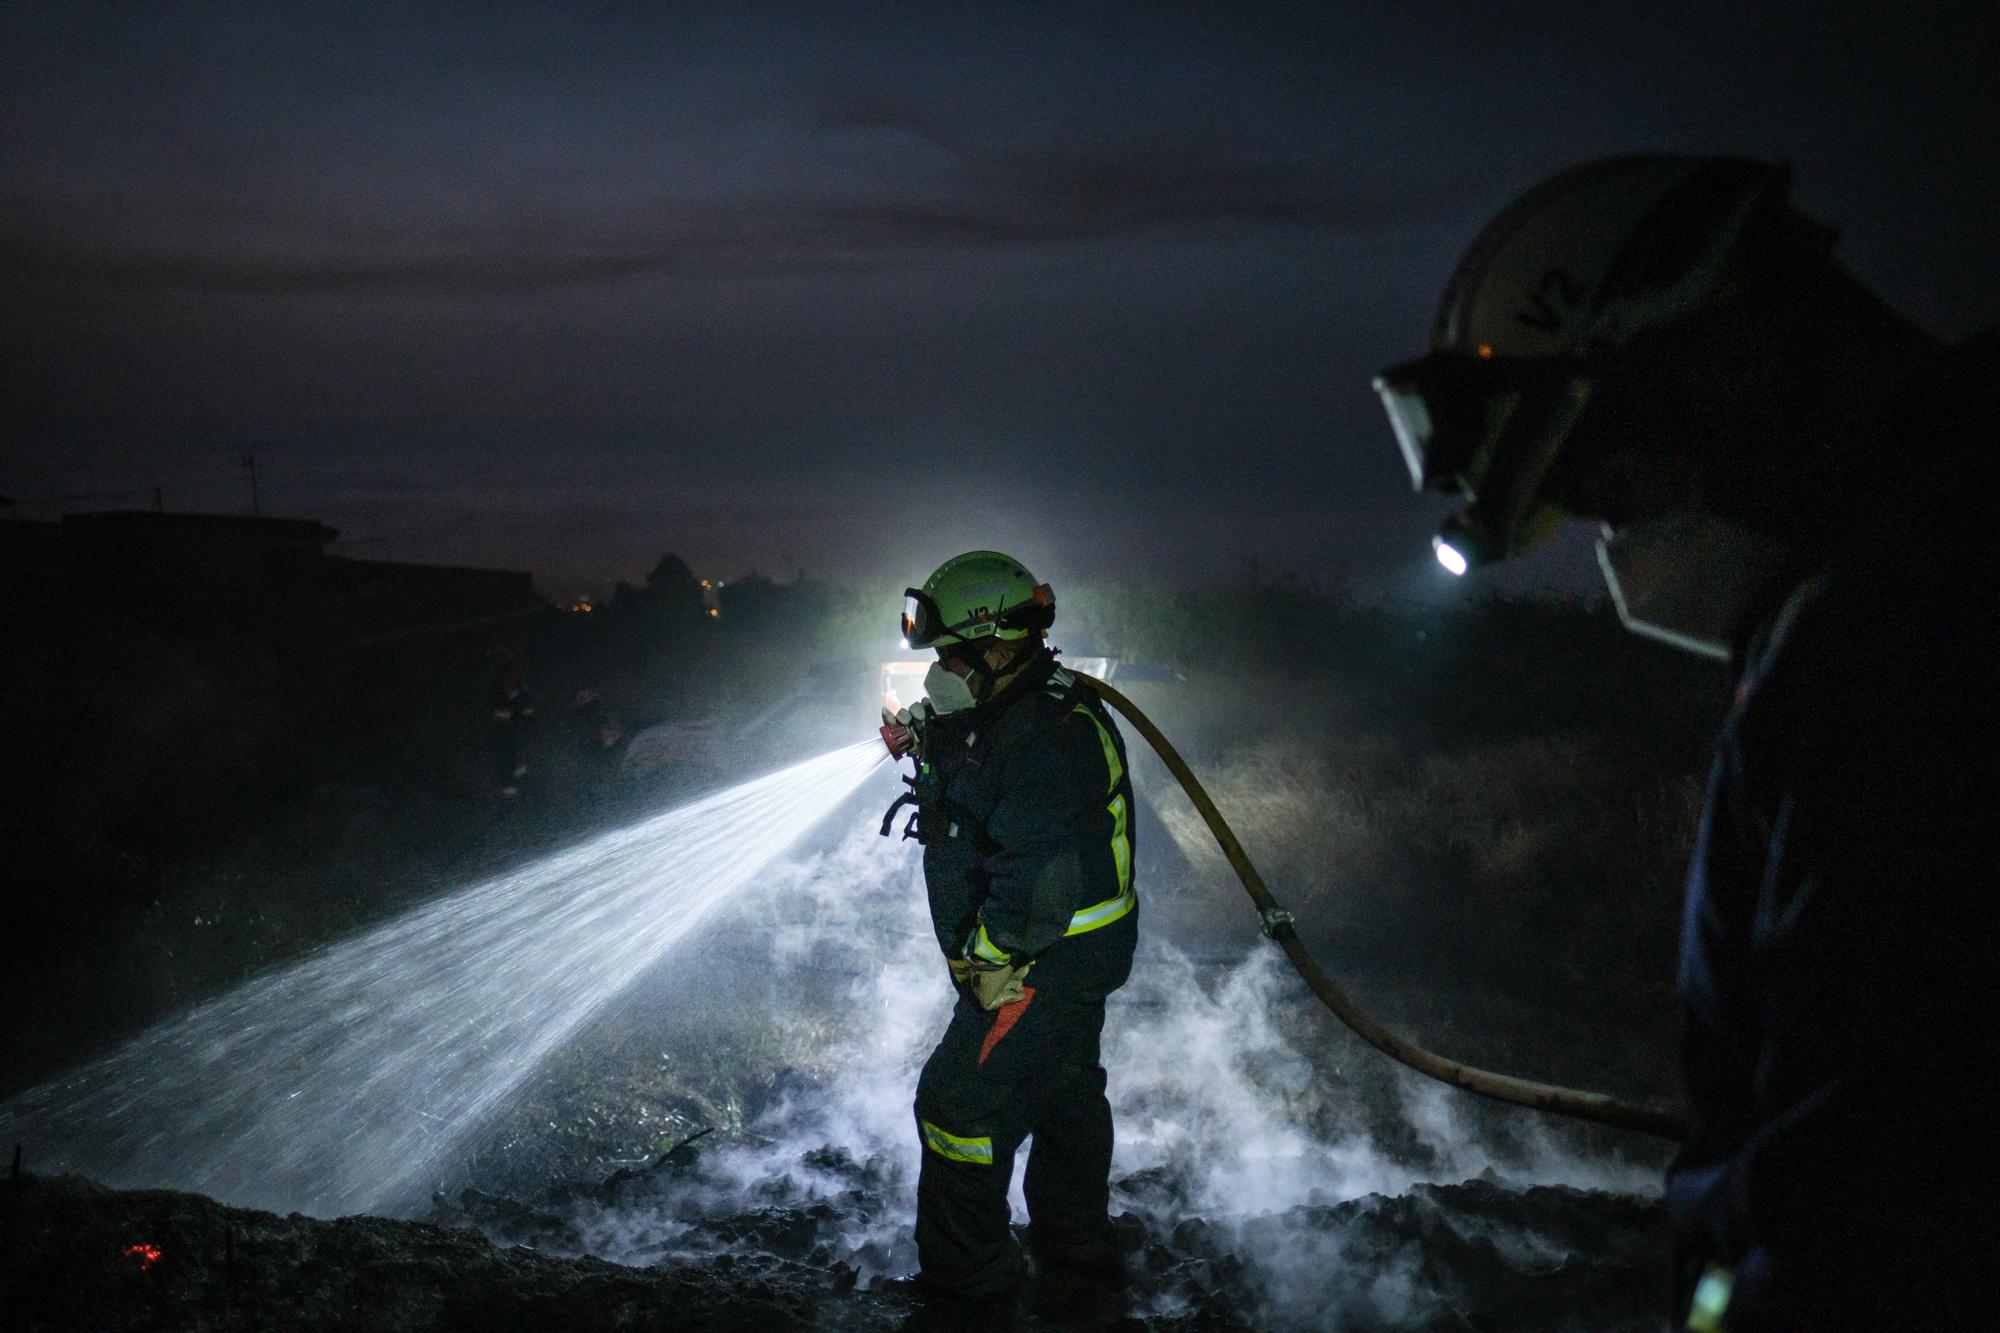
600 746
1794 478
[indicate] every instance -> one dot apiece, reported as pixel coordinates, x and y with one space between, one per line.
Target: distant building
211 572
169 669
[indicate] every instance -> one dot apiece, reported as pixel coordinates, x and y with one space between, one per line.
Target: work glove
903 730
915 715
994 985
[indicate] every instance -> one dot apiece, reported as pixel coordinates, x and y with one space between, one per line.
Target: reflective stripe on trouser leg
965 1242
964 1238
978 1151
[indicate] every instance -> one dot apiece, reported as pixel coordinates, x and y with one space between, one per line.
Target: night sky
846 289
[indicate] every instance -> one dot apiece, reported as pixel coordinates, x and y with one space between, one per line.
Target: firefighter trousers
1029 1069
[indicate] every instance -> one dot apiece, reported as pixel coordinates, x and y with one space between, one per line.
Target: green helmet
978 595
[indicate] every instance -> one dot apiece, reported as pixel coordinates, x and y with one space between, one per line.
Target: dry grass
1514 898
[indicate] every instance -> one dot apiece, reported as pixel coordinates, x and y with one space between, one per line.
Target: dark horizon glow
845 288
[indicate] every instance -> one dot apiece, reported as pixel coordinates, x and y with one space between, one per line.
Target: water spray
346 1081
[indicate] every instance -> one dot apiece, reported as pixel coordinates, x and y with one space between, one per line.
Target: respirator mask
947 691
909 730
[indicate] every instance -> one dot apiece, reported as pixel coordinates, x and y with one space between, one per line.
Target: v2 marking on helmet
1556 286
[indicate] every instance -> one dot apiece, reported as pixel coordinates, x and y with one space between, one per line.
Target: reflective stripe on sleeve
983 947
978 1151
1103 914
1121 843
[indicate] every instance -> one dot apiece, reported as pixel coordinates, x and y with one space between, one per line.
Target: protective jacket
1026 817
1025 811
1841 936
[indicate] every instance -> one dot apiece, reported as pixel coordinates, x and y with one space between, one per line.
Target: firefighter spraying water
912 733
1023 803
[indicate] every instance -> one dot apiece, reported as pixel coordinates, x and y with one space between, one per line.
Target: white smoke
1228 1109
1244 1119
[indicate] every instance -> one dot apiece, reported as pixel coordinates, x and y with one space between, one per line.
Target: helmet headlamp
1488 429
1463 543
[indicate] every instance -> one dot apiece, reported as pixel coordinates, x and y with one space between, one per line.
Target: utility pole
250 470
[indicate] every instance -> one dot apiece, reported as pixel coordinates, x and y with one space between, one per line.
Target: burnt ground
1486 1257
723 1152
1272 1172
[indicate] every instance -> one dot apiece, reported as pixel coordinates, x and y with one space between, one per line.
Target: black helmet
1551 290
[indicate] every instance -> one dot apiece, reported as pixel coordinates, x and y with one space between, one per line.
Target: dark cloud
1088 183
930 187
502 271
1129 268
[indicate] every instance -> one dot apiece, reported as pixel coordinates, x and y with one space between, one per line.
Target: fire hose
1665 1122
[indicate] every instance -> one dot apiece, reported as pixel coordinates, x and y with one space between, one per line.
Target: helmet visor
1037 613
1450 409
1410 418
1488 429
922 624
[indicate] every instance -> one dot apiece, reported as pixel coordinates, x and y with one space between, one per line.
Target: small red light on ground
147 1255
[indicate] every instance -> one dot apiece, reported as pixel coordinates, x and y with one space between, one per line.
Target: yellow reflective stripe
1111 760
1090 918
1121 834
1121 844
1711 1300
978 1151
984 947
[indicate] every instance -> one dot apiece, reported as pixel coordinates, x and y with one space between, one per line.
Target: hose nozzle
899 738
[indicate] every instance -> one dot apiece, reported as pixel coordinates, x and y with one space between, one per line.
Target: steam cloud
1245 1133
1224 1114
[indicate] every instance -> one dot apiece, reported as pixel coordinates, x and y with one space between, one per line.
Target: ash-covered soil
83 1257
1481 1255
1272 1172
